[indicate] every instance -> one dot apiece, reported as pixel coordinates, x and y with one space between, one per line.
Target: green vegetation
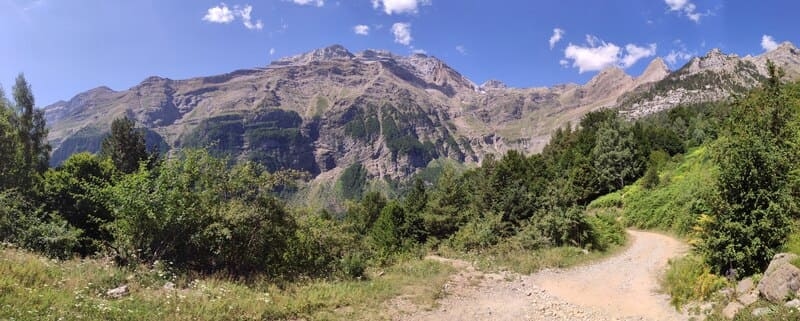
674 204
39 289
689 278
125 146
219 229
271 137
352 181
752 207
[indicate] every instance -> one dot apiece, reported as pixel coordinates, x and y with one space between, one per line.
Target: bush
689 278
20 223
562 227
606 231
479 233
199 215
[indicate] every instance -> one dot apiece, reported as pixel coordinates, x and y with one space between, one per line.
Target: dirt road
623 287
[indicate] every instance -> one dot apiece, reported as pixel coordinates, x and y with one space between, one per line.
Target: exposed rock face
655 71
781 280
712 77
494 84
326 109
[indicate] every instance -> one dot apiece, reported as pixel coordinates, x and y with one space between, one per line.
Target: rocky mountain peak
655 71
715 60
609 74
494 84
333 52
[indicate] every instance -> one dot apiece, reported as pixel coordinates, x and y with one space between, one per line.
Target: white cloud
419 51
244 13
223 14
687 8
675 56
556 37
599 54
635 53
318 3
768 43
399 6
361 30
402 33
564 63
461 49
219 14
271 51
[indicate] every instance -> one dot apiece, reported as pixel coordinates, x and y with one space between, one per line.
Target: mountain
713 77
327 109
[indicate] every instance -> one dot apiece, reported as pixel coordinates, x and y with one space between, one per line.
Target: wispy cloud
461 49
768 43
556 37
318 3
687 8
399 6
402 33
361 30
224 14
678 54
598 54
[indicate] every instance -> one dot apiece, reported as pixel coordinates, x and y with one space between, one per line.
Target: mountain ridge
332 108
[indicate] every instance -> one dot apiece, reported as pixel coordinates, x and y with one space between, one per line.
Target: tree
31 128
9 146
70 190
752 206
125 146
387 233
613 153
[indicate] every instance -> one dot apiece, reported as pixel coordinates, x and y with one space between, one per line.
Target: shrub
606 231
689 278
479 233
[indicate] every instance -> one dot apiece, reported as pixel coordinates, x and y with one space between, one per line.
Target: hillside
327 109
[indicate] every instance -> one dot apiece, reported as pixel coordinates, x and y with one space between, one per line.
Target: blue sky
66 47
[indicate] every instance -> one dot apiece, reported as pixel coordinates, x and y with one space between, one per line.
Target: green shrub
689 278
606 231
479 233
28 227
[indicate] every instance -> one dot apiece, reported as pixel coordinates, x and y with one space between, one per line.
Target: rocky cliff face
324 110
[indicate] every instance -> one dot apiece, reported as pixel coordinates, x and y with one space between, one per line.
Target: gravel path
623 287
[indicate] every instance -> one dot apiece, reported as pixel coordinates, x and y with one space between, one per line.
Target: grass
674 204
510 257
35 288
688 279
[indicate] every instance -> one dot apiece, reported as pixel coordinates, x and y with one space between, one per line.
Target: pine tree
125 146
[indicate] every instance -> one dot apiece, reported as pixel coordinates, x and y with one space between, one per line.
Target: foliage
125 146
22 224
752 206
10 149
197 214
353 181
32 131
674 204
69 190
689 278
607 232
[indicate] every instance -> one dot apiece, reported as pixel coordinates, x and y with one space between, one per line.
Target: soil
622 287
